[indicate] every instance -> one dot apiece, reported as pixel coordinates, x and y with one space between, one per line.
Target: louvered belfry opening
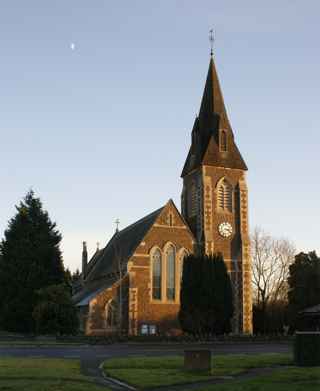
225 196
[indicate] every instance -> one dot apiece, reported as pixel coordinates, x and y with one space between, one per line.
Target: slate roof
205 133
311 310
105 263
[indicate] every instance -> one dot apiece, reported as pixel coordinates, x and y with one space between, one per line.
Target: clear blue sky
102 131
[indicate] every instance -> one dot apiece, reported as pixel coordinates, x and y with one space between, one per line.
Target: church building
133 284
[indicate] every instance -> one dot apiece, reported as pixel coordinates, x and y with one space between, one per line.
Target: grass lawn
146 372
289 379
35 374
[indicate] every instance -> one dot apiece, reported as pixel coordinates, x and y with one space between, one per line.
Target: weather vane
117 223
211 39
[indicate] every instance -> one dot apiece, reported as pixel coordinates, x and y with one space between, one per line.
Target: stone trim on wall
170 226
246 258
208 214
133 311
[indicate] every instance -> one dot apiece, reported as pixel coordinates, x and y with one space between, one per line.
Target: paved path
102 352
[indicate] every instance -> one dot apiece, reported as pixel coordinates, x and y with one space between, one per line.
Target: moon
72 46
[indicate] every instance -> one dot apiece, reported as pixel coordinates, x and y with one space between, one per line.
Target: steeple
212 103
211 123
214 199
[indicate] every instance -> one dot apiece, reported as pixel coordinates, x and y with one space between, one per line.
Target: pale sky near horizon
98 99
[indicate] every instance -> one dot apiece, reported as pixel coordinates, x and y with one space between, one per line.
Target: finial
211 39
117 222
84 245
98 246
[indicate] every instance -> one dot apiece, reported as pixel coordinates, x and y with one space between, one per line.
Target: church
133 284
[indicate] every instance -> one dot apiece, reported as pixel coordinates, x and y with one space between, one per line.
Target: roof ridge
140 220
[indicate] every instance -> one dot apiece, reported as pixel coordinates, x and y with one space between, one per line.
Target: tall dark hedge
206 296
30 259
304 284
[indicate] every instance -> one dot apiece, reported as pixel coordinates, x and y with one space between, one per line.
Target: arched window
225 196
111 312
183 255
223 141
156 275
192 200
171 273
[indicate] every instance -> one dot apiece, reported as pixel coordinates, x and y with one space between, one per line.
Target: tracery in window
171 273
225 195
156 274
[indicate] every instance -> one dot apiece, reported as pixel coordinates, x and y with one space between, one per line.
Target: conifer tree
30 260
206 296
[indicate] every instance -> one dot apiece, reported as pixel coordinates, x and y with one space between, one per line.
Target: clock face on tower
225 229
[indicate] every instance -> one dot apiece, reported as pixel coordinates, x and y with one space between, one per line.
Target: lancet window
171 273
156 275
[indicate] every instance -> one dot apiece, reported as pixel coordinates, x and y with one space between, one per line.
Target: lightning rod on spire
211 39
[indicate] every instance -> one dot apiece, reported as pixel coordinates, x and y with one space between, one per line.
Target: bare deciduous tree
271 258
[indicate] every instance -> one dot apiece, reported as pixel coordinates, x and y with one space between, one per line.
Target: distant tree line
284 283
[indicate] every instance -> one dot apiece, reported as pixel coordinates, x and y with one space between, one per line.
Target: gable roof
311 310
205 133
121 247
106 262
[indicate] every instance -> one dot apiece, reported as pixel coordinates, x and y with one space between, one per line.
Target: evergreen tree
304 283
222 295
55 312
30 260
206 296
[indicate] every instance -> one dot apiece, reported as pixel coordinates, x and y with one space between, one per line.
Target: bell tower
215 196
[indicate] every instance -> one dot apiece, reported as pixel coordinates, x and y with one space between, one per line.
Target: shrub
55 312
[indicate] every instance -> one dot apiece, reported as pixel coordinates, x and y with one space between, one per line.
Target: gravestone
197 360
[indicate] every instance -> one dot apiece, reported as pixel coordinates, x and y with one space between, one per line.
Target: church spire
212 103
213 141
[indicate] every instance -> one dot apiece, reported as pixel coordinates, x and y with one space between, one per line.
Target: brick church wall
143 310
96 316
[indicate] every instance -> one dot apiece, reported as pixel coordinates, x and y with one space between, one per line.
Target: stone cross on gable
117 223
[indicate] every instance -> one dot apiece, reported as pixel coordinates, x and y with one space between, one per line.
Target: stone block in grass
197 361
